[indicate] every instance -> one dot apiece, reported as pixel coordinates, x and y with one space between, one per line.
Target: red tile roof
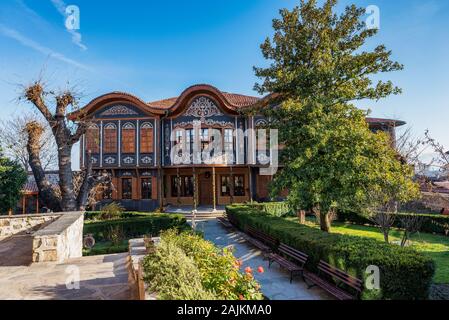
239 100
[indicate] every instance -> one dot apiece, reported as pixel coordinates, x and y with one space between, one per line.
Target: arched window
146 138
128 138
93 139
110 138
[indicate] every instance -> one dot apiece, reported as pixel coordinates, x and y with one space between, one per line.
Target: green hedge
432 223
136 226
96 215
277 209
404 273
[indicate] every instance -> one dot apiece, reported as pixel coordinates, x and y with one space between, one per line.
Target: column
101 144
24 203
232 185
195 204
178 177
137 132
119 141
250 185
214 197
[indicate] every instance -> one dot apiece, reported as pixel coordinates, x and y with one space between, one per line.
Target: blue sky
155 49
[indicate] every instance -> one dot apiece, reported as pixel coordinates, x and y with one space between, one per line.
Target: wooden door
206 193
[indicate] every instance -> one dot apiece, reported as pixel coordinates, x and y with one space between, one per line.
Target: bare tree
14 140
385 220
441 160
411 225
66 133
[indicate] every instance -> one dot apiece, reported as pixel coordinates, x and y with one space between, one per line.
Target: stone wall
11 225
60 240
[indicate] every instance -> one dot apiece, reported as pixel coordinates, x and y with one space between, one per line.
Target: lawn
106 247
434 246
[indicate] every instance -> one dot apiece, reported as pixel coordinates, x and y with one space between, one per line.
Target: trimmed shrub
277 209
136 226
432 223
200 266
172 275
405 274
100 215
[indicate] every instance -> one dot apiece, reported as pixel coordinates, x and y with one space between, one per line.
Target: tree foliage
12 180
318 69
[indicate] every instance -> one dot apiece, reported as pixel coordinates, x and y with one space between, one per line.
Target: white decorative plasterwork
109 160
146 160
128 160
203 107
110 126
94 160
261 123
129 126
209 122
146 125
118 110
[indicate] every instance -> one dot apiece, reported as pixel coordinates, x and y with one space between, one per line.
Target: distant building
29 202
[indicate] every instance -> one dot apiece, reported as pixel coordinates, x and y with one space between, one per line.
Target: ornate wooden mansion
140 145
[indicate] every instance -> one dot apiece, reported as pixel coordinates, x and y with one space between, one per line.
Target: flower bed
187 267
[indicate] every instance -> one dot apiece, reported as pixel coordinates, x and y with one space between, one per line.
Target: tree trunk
47 194
386 235
68 199
325 223
302 216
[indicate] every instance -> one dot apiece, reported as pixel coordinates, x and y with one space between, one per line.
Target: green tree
318 69
12 179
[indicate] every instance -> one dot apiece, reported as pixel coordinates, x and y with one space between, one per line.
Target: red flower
248 270
238 263
260 270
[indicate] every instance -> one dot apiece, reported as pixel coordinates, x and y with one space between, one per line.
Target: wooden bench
261 236
332 279
225 222
290 259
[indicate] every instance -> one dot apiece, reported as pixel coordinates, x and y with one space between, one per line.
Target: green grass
434 246
106 247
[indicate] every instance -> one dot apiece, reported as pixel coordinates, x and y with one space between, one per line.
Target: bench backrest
341 276
293 253
262 236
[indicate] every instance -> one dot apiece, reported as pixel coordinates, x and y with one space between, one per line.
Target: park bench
290 259
225 222
260 240
332 280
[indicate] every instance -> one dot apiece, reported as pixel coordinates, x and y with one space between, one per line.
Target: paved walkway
275 282
100 278
16 250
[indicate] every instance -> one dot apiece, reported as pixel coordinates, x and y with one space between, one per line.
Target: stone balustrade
60 240
12 225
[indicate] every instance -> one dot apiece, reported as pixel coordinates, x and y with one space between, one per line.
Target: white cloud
76 36
27 42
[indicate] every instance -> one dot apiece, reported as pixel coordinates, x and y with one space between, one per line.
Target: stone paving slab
101 278
275 282
16 250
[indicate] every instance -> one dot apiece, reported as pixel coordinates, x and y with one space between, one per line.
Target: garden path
275 282
100 278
